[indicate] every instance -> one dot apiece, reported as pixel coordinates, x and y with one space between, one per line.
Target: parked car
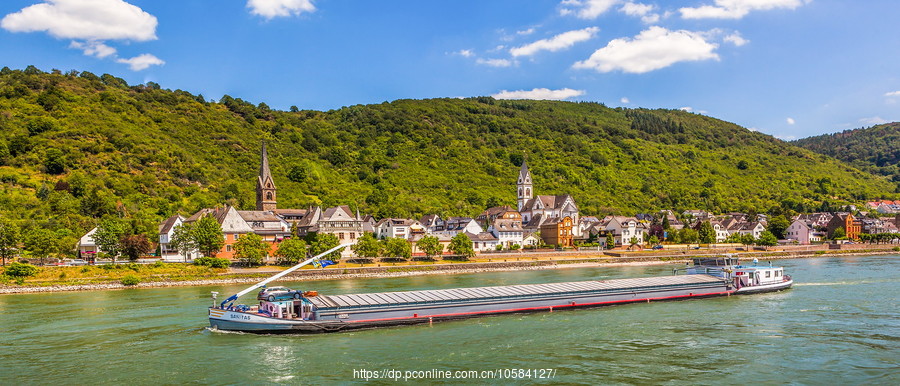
73 262
657 247
278 293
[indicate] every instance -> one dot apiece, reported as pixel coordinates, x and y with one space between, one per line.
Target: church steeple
265 185
524 185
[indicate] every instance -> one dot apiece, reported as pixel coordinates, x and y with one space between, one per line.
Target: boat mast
277 276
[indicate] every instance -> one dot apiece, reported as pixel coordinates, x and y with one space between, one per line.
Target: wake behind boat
282 310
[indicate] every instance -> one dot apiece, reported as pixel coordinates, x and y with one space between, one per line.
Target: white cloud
271 9
873 120
686 108
539 93
141 62
644 11
736 39
736 9
93 48
785 137
465 53
625 100
892 94
586 9
525 32
791 121
495 62
556 43
84 20
652 49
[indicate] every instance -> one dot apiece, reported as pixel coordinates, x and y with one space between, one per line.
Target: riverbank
201 276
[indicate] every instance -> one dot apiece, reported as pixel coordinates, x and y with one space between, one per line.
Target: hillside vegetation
76 147
875 149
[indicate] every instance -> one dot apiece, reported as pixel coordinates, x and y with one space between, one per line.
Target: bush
212 262
897 249
130 280
158 264
21 270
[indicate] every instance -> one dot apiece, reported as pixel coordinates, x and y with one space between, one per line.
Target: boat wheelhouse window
777 273
768 274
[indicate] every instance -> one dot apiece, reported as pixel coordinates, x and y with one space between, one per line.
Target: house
507 228
432 223
815 220
442 239
558 231
625 230
230 222
803 232
267 224
486 218
535 210
532 239
753 228
852 227
398 227
888 208
483 241
456 225
167 252
721 230
87 247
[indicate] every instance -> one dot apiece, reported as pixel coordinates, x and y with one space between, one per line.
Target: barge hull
362 317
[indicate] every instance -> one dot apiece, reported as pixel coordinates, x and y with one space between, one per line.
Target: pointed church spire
265 184
524 173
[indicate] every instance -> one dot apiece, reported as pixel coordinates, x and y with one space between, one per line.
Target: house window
228 248
236 237
341 236
352 235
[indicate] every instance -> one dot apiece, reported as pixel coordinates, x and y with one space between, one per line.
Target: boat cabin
754 276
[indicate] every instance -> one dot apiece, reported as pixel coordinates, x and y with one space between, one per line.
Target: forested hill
875 149
77 146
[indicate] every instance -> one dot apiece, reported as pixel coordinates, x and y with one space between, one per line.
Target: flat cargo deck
388 299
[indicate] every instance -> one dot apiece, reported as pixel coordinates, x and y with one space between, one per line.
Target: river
840 324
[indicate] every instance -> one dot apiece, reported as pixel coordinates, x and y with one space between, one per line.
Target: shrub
130 280
21 270
897 249
213 262
158 264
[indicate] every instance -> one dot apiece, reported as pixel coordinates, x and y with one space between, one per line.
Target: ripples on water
839 325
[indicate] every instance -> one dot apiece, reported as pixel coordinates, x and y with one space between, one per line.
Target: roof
167 225
291 212
483 236
264 173
430 219
507 225
258 216
337 211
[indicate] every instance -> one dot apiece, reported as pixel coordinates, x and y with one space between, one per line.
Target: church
555 217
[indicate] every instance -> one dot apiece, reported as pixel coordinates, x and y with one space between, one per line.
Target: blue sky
790 68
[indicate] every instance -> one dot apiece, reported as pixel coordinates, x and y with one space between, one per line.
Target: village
537 223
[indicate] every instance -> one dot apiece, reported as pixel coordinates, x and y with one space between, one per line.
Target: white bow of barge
313 313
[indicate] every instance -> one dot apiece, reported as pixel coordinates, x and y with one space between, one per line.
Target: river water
840 324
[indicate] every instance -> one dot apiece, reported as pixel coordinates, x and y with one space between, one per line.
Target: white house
166 232
483 241
744 228
457 225
532 239
398 227
626 228
87 247
432 223
507 228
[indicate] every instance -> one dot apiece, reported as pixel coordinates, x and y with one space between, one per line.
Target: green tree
292 250
777 225
431 246
297 174
183 240
108 237
706 233
367 246
251 249
135 246
688 236
748 239
9 240
653 240
54 161
610 242
396 247
324 242
839 234
41 242
208 236
461 245
767 239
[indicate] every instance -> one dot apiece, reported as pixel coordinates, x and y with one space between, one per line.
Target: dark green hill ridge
875 149
75 147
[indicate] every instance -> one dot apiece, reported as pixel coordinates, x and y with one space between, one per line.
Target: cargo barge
310 312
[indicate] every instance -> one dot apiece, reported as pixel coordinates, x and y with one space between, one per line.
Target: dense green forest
875 149
76 147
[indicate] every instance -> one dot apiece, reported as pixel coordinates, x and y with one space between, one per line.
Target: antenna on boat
214 296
